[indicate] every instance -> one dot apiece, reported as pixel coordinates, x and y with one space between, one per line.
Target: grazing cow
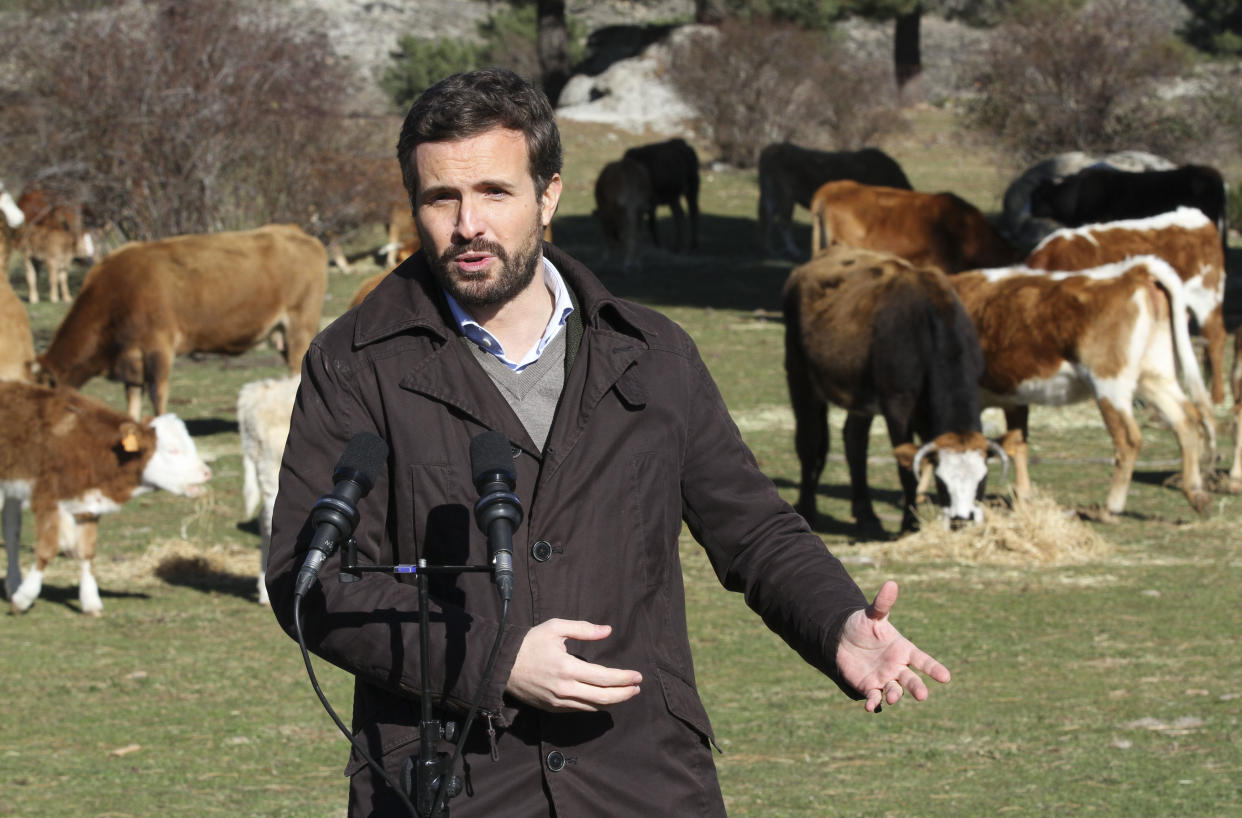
74 459
148 302
622 194
789 175
1100 194
937 229
673 168
1025 231
1108 333
872 334
52 234
263 410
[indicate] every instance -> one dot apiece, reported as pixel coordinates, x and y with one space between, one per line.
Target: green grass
1106 689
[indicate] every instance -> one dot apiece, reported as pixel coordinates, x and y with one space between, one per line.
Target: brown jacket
641 441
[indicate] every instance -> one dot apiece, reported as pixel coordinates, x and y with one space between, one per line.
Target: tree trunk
552 42
906 57
709 11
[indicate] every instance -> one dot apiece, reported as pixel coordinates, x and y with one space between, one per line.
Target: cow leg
158 365
1126 442
1183 417
679 225
1017 420
87 533
651 223
811 444
1213 331
692 205
857 436
12 544
63 277
32 281
47 542
265 538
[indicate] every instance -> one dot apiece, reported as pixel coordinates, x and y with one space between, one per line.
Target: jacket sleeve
369 627
757 543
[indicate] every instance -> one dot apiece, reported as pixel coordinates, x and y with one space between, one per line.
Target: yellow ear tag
130 442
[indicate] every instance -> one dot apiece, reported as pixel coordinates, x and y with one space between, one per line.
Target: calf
73 459
937 229
673 168
263 410
1100 194
1109 333
873 334
148 302
52 234
789 175
622 194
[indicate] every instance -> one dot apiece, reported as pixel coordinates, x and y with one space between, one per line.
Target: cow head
175 465
961 471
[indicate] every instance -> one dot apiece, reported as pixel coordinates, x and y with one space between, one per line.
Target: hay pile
1034 532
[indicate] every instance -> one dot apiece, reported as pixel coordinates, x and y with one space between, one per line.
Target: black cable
362 751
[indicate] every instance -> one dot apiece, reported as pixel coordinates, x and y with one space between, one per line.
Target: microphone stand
427 776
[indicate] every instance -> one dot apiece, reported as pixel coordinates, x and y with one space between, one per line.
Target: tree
709 11
1215 25
552 43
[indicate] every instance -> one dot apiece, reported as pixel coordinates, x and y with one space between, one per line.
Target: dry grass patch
1037 531
180 562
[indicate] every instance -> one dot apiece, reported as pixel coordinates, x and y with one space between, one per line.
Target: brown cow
1188 241
790 174
16 342
872 334
52 234
937 229
74 459
1109 333
622 195
148 302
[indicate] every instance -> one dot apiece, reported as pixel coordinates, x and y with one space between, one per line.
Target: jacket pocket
391 758
684 704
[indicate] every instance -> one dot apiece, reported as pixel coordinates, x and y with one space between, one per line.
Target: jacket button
541 551
556 761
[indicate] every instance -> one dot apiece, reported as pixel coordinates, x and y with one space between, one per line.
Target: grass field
1106 688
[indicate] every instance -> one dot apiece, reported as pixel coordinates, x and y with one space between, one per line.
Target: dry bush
754 83
1060 75
182 116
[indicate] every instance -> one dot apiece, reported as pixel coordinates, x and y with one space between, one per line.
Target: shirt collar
561 309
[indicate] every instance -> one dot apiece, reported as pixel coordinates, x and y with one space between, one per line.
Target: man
619 435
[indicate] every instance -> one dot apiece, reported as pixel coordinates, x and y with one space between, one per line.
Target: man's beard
478 291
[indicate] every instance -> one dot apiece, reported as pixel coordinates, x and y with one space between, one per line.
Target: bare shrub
1060 75
184 116
754 83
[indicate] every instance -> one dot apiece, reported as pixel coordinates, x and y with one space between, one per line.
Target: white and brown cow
937 229
53 235
148 302
1110 334
790 174
872 334
622 195
263 410
73 459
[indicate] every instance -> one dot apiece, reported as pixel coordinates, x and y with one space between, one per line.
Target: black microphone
335 515
498 511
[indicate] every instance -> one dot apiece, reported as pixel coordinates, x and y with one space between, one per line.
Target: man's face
478 217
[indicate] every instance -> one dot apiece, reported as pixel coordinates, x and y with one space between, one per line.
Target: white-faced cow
1110 333
790 174
1024 230
73 459
148 302
872 334
263 410
941 230
622 195
1100 194
673 168
53 235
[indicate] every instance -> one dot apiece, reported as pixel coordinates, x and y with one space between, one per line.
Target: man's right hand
546 676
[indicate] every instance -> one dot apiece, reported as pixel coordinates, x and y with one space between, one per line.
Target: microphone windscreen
363 458
490 452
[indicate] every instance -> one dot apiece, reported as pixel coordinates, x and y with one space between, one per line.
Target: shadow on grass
827 525
200 575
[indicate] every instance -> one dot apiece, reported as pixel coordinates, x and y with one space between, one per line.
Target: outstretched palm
878 661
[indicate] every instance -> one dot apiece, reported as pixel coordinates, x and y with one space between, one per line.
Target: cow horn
1000 452
918 457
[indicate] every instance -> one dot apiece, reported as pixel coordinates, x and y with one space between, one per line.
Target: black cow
1098 194
673 168
789 175
873 334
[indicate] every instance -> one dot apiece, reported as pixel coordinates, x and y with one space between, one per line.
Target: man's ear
549 200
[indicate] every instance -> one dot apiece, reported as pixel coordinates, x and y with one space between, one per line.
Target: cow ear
129 436
905 454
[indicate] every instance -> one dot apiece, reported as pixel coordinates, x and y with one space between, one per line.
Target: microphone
335 515
498 510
